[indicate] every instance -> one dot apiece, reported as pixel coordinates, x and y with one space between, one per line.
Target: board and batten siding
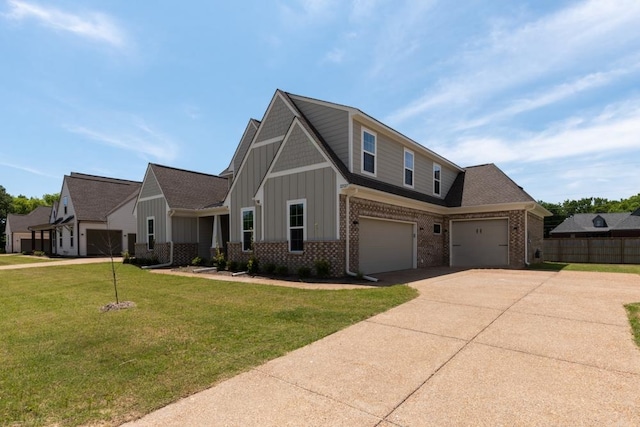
205 235
244 145
156 208
277 121
150 187
246 184
390 163
319 189
184 229
331 123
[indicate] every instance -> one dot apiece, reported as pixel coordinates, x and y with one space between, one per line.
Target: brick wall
278 254
430 246
183 253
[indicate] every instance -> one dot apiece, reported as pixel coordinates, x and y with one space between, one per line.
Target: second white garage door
480 243
385 245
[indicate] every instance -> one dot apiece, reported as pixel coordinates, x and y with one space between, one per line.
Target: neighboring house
180 215
316 180
94 216
19 234
625 224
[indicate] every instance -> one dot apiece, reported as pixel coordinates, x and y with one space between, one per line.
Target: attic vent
599 222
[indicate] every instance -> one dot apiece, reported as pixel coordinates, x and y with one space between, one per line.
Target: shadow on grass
553 266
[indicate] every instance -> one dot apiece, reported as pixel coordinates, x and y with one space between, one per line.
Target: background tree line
20 204
564 210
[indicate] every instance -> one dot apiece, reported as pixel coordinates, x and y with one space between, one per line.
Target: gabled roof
20 223
185 189
94 197
485 185
583 223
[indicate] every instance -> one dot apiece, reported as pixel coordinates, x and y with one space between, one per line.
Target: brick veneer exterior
183 253
278 254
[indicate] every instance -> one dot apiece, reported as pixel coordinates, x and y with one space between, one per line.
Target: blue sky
547 90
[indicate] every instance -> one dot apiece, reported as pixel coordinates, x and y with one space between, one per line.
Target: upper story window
599 222
368 152
65 201
408 168
151 232
296 224
248 215
436 179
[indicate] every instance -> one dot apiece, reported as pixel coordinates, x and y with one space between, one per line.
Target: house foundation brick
183 253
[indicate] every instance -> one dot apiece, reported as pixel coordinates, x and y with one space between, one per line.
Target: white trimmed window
60 237
436 179
368 152
71 237
296 220
65 202
151 232
408 168
247 219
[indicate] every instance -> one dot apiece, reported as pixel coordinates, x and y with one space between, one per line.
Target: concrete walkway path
480 347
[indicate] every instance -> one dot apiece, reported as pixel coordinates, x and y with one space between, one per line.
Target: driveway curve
477 347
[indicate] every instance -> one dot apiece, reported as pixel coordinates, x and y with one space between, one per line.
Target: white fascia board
406 140
392 199
516 206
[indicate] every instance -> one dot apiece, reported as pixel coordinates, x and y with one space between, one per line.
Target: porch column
217 232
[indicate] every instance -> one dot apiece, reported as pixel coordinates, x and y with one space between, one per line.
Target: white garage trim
382 251
478 245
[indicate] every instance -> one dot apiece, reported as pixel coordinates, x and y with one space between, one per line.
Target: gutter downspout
348 228
166 264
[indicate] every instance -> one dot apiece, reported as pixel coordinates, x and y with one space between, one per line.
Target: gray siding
244 145
331 123
150 186
158 209
205 234
390 163
298 151
184 229
318 187
246 184
277 121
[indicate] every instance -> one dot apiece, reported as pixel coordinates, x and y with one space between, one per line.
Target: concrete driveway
479 347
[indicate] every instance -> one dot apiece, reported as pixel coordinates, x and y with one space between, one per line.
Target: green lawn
633 311
602 268
21 259
63 362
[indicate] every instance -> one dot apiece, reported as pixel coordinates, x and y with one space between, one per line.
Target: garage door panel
385 245
480 243
104 242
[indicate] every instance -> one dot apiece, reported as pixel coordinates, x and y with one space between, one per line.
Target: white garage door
480 243
385 245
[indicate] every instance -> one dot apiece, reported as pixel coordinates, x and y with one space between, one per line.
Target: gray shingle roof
190 190
583 223
94 197
21 223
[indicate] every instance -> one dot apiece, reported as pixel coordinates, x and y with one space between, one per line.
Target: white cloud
615 130
93 25
307 12
142 139
587 33
27 169
335 56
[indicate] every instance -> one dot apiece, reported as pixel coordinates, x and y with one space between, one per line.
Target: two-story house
316 180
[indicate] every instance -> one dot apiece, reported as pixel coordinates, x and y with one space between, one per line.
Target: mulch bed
112 306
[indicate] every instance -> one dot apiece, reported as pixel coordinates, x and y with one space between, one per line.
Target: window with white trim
151 232
71 237
408 168
247 220
60 238
65 201
368 152
296 220
437 228
437 170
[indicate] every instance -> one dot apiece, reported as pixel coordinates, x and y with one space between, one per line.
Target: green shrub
253 267
233 266
145 261
197 261
270 268
39 253
219 260
126 258
304 272
282 270
243 266
323 268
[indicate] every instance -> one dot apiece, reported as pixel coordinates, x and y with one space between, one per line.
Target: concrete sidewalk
61 261
481 347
